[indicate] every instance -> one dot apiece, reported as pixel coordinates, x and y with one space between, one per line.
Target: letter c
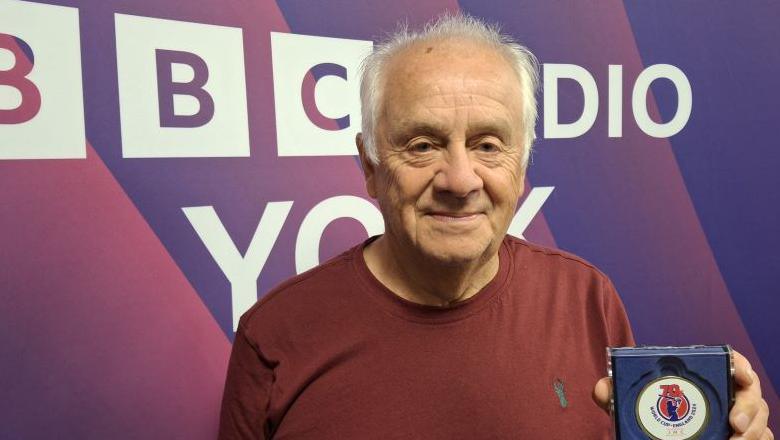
310 81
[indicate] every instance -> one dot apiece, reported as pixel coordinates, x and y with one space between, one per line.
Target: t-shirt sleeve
247 392
618 327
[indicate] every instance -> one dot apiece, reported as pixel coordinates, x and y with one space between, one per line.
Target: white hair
447 26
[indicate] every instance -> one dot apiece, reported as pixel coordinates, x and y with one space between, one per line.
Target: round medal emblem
672 407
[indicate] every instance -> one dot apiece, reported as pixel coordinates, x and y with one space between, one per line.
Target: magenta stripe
101 320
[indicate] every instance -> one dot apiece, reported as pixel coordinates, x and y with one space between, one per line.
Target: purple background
116 322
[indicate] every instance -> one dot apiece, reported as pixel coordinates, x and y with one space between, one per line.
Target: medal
664 393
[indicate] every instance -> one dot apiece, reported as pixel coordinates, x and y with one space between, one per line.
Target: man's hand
748 417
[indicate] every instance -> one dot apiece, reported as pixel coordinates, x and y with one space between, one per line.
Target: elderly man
444 327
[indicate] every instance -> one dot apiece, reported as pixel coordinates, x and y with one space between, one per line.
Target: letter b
41 104
16 77
182 91
167 88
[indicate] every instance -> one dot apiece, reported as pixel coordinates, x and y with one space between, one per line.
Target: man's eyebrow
406 130
496 128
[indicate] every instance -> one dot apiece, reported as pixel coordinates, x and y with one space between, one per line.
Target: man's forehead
424 59
447 47
450 67
461 78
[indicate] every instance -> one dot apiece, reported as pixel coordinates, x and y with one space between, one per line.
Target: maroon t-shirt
333 354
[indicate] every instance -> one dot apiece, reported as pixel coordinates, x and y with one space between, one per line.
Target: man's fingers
748 417
758 426
743 372
602 392
749 420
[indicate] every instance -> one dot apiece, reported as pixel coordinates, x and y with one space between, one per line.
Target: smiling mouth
448 217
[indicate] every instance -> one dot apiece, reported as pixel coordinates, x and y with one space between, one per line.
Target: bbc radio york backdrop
164 163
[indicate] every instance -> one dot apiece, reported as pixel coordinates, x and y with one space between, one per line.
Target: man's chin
456 255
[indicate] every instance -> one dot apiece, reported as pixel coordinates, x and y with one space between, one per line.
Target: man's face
450 142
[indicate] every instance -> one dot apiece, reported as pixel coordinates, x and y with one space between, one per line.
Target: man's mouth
455 217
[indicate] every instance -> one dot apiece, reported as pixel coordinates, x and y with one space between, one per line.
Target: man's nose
457 175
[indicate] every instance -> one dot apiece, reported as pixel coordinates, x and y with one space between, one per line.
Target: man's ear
523 174
369 168
522 182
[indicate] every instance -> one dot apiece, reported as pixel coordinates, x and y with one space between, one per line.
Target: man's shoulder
535 256
305 293
570 285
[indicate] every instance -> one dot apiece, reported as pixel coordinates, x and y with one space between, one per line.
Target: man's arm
247 392
615 318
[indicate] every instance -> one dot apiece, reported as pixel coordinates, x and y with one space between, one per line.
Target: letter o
684 100
307 246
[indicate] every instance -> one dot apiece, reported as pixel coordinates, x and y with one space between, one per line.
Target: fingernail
741 422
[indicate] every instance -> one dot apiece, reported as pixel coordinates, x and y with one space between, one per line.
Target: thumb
602 392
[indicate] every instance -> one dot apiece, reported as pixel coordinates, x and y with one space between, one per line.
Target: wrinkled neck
425 280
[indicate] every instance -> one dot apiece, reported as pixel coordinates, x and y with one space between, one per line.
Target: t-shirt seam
554 253
602 278
242 331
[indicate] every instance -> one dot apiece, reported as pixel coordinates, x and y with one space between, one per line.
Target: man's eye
422 147
487 147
